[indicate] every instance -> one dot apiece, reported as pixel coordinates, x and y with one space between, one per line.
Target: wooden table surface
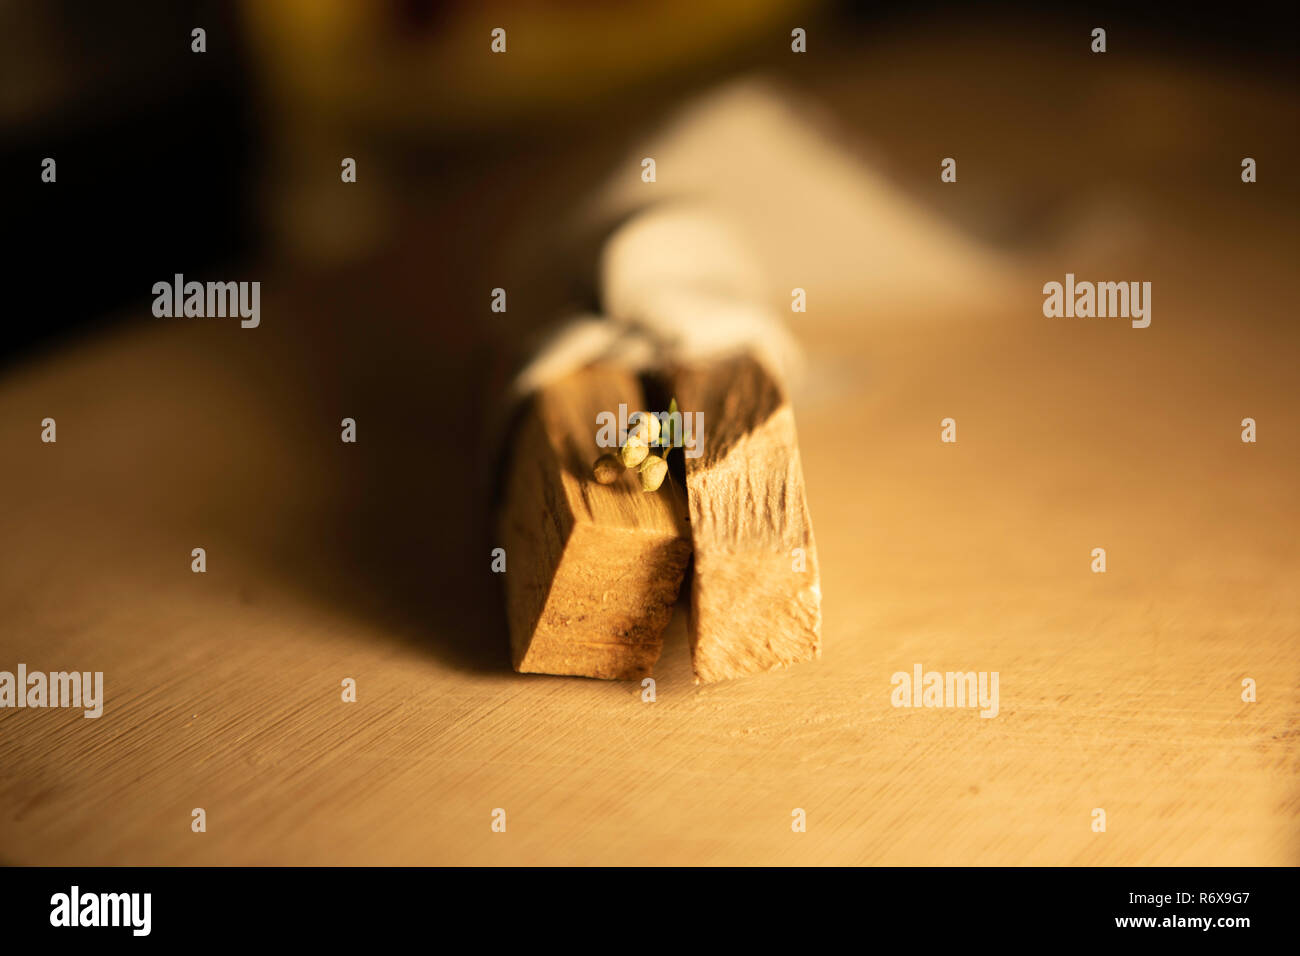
325 560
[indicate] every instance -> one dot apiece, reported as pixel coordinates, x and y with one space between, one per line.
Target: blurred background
175 162
478 170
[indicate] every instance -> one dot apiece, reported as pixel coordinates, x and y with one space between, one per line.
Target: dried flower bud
652 472
607 469
634 452
644 426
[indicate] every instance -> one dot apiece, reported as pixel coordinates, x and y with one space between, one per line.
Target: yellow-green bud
634 452
652 472
644 426
607 469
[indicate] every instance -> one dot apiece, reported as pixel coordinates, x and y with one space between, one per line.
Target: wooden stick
592 570
756 591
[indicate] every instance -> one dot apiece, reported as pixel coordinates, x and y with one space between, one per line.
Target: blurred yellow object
414 62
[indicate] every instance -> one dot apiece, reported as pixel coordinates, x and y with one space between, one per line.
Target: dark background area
161 152
156 150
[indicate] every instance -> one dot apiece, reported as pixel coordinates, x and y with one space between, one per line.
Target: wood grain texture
755 602
593 570
1119 691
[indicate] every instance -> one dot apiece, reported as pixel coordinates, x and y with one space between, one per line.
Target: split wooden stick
592 570
756 591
